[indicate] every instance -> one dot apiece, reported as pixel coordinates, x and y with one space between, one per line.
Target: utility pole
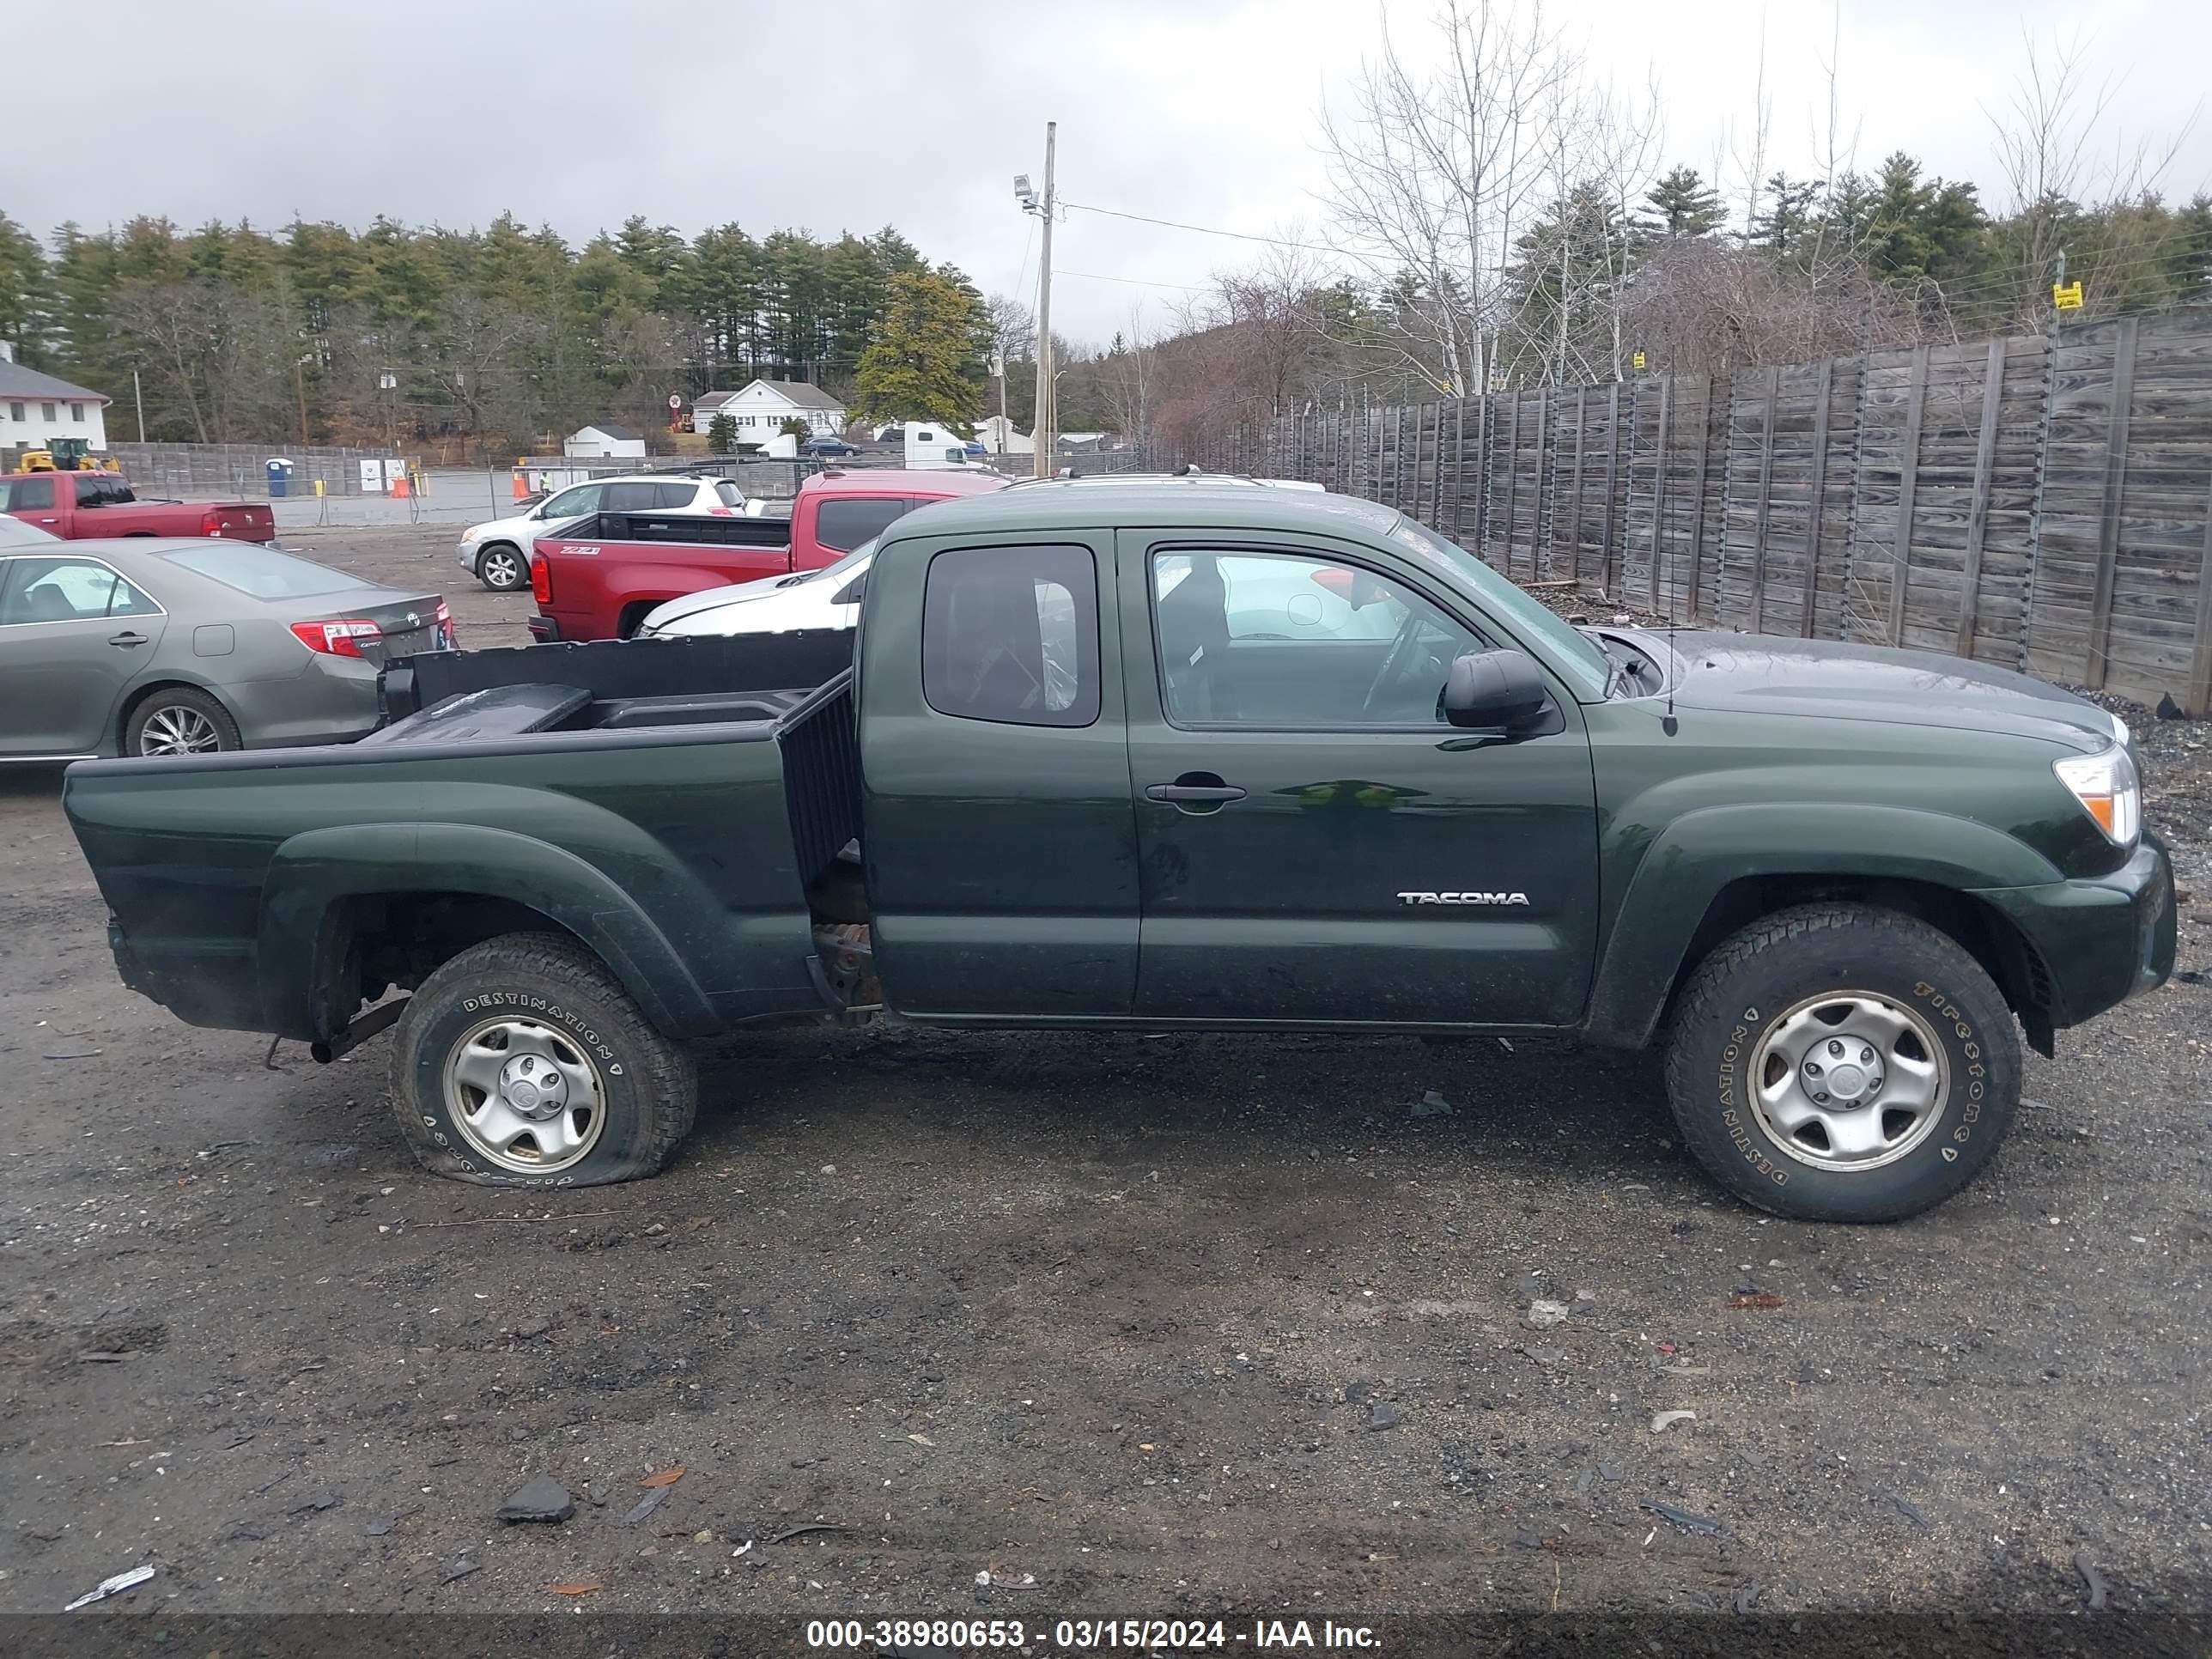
300 379
138 398
1048 418
998 369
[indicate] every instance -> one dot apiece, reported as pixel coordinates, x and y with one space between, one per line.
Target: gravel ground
1177 1327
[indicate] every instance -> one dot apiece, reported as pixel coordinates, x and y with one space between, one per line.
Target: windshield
259 571
1575 656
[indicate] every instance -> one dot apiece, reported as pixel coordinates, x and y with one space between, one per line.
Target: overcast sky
856 114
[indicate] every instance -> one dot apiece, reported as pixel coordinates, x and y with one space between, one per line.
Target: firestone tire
1758 1019
534 1016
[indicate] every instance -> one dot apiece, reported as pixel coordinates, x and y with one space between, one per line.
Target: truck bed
674 805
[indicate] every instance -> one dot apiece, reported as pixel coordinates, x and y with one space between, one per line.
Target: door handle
1201 788
126 639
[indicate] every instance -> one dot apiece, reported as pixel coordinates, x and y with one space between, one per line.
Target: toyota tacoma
1162 756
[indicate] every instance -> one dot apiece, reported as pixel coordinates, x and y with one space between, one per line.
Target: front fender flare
1697 855
315 870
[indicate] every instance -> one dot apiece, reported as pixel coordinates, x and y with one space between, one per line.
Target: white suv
497 554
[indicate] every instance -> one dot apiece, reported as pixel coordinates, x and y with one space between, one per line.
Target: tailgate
239 521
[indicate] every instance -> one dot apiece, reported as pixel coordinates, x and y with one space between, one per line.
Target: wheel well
1983 932
137 699
492 546
634 613
384 939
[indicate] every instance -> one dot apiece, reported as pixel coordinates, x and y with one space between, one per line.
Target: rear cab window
1010 635
844 522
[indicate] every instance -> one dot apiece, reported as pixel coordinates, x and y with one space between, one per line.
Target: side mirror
1496 690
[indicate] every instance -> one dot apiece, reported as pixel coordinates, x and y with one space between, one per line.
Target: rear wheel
178 721
501 568
522 1062
1837 1062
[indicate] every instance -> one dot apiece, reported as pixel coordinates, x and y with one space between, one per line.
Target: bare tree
1434 176
1126 382
2052 152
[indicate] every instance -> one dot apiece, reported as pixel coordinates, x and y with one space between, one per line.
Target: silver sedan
162 646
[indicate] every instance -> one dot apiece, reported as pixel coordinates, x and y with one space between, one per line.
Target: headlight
2106 785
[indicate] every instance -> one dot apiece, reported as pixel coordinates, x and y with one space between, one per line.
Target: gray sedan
159 647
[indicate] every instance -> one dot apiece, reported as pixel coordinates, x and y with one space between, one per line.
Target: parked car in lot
830 596
601 578
497 552
73 505
168 647
1059 788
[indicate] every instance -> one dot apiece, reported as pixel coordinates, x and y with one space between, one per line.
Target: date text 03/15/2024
1085 1634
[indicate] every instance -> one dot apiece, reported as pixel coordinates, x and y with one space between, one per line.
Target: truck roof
1197 503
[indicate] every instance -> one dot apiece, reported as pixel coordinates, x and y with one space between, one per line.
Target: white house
35 409
760 408
708 407
604 440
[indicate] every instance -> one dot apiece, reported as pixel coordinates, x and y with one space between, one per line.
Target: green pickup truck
1171 754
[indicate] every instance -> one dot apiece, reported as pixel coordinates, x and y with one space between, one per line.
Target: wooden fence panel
2042 501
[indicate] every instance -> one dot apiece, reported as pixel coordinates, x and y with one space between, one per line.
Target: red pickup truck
597 578
84 505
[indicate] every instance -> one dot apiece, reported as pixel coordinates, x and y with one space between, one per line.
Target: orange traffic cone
399 489
522 484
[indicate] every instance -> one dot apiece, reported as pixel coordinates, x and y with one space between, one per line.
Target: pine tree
1790 215
1682 204
927 360
22 285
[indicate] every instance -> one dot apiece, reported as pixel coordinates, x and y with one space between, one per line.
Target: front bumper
467 557
2102 941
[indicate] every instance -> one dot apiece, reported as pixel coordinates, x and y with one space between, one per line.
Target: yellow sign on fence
1637 361
2066 297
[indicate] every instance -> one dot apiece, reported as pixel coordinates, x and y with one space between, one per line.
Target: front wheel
500 569
1838 1062
522 1062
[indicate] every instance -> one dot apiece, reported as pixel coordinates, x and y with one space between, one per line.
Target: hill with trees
491 339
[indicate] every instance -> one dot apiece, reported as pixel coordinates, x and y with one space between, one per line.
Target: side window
1289 640
632 498
574 503
1011 634
669 496
29 495
92 490
67 590
729 494
843 524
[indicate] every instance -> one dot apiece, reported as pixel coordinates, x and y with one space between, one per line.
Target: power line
1204 230
1134 282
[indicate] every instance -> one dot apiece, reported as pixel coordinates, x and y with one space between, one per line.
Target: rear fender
302 955
1690 862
